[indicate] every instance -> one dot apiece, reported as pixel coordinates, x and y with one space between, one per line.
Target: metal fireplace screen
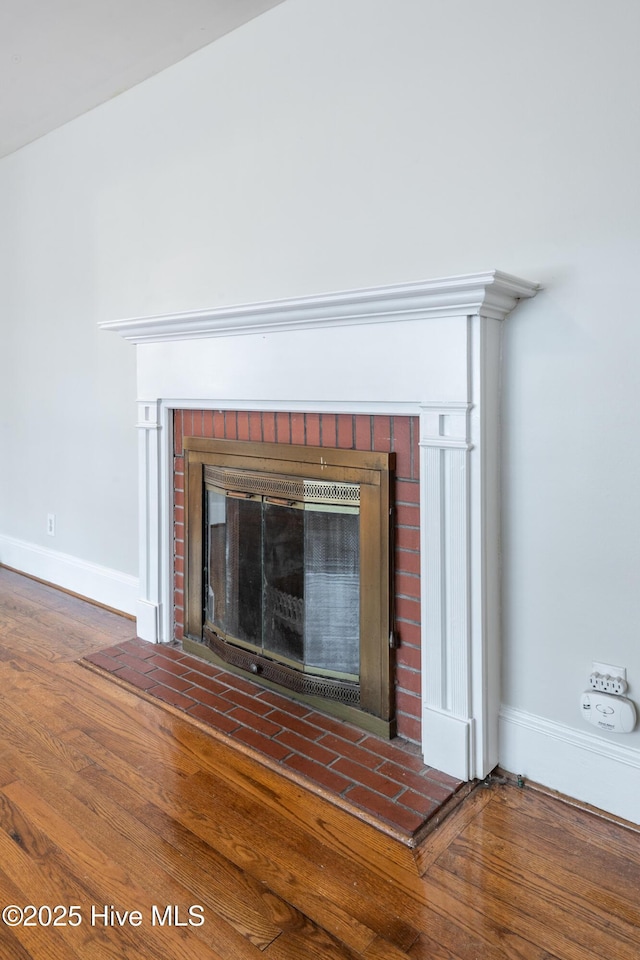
285 590
283 577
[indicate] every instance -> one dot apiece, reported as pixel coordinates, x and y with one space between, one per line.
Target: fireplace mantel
493 294
429 349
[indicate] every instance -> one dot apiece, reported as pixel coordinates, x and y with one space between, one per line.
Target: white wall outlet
608 678
51 524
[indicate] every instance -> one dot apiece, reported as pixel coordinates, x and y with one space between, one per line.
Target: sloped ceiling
60 58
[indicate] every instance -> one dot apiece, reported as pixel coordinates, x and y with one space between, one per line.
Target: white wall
344 144
67 413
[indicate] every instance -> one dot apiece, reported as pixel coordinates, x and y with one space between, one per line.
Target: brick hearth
385 780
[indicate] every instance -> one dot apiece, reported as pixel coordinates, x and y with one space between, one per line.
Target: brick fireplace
413 368
384 434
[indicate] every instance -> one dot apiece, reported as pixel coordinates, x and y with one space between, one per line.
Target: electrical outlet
51 524
617 685
607 678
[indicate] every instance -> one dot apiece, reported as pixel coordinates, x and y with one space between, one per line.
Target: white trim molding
564 759
150 523
430 350
102 584
492 294
445 579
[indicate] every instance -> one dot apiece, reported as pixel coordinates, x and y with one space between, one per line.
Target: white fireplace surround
429 349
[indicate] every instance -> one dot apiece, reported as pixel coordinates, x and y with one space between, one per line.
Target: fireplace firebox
288 571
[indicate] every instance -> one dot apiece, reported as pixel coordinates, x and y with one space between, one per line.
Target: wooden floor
117 814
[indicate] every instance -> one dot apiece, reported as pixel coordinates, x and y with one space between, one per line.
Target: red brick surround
352 432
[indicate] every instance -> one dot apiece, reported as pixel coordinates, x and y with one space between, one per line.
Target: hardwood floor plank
6 773
381 949
10 946
216 883
495 912
426 948
306 942
438 841
333 876
245 807
234 835
613 905
283 888
27 878
108 883
570 828
32 739
341 831
13 584
46 628
466 925
502 946
31 840
165 816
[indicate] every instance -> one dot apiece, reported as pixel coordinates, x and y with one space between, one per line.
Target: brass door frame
373 472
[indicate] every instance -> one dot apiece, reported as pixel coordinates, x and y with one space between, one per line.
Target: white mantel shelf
429 349
490 294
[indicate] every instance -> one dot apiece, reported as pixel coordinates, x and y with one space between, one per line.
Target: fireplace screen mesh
283 579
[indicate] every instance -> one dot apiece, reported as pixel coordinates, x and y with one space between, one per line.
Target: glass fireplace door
283 579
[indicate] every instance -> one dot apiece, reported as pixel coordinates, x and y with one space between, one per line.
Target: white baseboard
597 769
101 584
